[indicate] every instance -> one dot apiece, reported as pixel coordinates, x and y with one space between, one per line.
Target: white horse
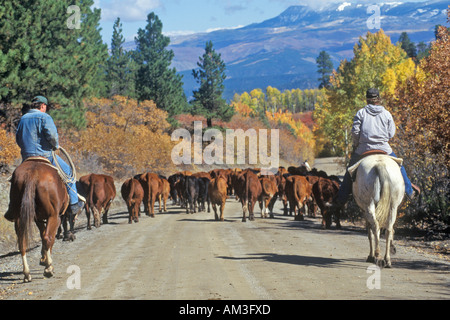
378 190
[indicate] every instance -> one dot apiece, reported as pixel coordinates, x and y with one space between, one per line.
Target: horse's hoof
370 259
381 263
69 237
48 273
27 279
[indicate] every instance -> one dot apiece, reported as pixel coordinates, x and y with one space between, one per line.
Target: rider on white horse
373 127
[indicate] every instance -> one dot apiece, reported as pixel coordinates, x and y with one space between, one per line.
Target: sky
192 16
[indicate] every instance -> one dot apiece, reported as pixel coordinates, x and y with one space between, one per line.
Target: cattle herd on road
301 190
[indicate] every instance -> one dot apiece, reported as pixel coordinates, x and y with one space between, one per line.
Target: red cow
269 191
249 190
100 191
217 192
312 205
132 194
165 193
324 191
153 186
281 186
298 192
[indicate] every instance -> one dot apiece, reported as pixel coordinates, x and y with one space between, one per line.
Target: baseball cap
372 93
40 99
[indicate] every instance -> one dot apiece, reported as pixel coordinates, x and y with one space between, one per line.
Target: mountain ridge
281 51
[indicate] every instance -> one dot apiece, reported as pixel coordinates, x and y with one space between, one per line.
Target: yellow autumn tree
377 63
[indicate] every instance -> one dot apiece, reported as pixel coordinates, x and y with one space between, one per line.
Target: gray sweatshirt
373 127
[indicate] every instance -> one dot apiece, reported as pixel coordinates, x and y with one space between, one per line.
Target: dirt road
176 256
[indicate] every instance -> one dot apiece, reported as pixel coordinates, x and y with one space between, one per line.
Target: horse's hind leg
374 236
387 257
42 230
371 257
390 238
47 244
23 251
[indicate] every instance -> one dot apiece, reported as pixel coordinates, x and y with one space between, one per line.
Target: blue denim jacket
36 135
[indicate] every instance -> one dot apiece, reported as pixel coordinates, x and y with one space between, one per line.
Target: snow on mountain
281 51
342 6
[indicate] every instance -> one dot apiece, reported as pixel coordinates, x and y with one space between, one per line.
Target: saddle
353 169
39 159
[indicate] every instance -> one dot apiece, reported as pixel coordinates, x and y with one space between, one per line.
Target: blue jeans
346 186
71 187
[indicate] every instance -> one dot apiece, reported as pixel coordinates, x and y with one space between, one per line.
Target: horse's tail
27 213
384 204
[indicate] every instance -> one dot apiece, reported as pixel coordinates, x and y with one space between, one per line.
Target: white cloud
127 10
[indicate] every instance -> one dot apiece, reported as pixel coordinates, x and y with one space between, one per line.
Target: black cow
203 185
173 179
190 193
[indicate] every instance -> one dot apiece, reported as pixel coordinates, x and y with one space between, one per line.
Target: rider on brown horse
373 127
37 136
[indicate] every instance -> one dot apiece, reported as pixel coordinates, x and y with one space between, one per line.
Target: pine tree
41 54
408 45
155 80
210 76
119 70
423 50
325 67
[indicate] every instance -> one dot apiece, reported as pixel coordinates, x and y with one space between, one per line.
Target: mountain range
282 51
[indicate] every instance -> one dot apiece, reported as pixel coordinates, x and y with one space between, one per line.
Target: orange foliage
122 137
243 109
421 108
9 150
300 129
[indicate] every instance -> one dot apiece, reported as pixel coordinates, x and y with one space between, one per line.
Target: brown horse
37 194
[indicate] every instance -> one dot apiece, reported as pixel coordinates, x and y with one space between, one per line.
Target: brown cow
298 192
164 194
281 186
132 194
217 193
101 191
312 205
227 174
324 191
269 190
249 190
153 186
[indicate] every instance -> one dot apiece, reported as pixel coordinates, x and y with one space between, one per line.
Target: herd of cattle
301 190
